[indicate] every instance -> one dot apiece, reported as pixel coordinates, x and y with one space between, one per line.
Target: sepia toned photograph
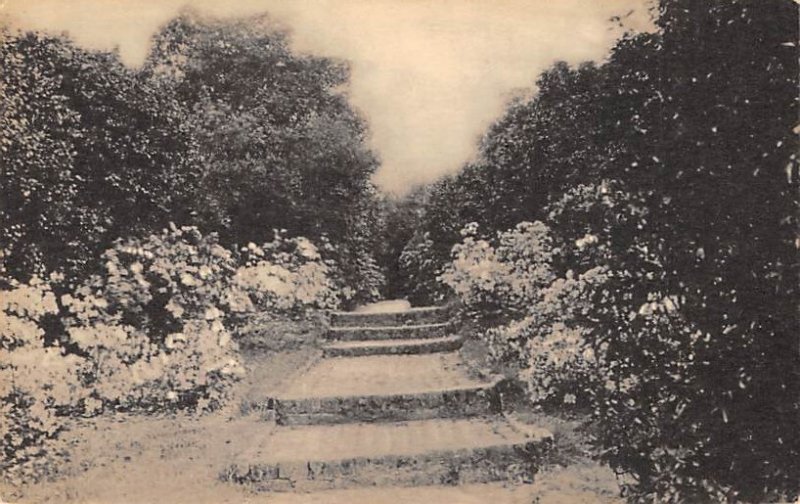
399 251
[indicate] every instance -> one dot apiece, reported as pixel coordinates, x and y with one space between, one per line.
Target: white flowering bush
153 326
532 320
36 381
499 281
527 251
287 276
551 344
152 332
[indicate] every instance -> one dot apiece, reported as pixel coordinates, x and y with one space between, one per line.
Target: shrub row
155 331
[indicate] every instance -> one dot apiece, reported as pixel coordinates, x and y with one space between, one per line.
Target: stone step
401 454
372 333
461 402
413 316
382 388
392 347
379 375
495 492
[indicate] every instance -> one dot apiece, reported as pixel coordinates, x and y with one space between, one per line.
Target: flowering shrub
35 380
550 346
153 326
152 332
528 252
476 275
499 282
287 276
534 322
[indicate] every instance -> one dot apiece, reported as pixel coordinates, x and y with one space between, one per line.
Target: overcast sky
429 75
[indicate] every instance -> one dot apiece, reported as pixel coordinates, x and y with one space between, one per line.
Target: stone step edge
369 333
264 408
412 310
515 460
455 402
371 397
391 347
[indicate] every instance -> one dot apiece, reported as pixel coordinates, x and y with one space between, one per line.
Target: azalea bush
37 381
287 277
532 321
498 280
538 290
154 331
153 326
557 360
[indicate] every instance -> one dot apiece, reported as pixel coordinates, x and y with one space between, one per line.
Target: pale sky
428 75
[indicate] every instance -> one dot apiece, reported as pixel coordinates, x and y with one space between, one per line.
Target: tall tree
280 146
88 151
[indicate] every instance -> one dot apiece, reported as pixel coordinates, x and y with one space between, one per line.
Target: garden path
414 424
390 404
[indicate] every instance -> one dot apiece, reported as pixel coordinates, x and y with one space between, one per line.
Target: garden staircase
390 403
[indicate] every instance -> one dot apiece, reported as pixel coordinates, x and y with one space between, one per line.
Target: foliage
673 168
153 331
532 321
223 128
716 164
153 325
287 276
280 147
400 219
36 381
420 271
90 152
526 157
550 345
498 282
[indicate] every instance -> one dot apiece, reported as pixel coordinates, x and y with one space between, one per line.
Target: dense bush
90 152
672 167
551 344
498 281
400 217
287 277
716 166
279 145
155 330
531 320
153 324
223 127
419 271
36 381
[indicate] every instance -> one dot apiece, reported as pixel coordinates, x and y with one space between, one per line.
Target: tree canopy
223 127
